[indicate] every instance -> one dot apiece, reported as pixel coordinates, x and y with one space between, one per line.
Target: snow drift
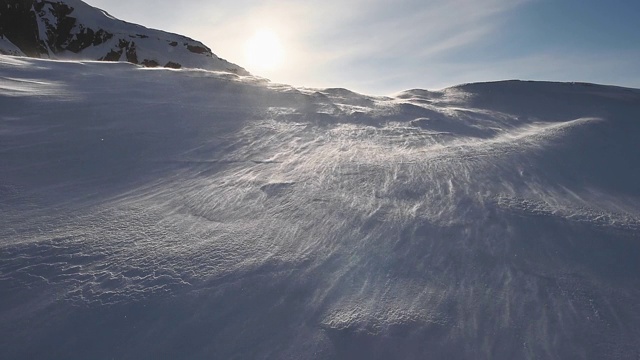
236 218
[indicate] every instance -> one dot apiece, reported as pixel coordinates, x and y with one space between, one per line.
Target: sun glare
264 51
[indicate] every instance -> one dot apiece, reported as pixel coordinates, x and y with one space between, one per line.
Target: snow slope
236 218
72 29
8 48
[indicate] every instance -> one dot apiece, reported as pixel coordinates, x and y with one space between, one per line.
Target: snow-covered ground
187 214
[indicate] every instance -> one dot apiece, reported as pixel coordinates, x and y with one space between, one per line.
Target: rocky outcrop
18 25
72 29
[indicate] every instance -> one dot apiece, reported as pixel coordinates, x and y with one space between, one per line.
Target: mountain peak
72 29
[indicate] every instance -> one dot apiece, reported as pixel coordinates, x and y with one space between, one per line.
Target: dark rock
172 65
18 24
149 63
197 49
87 37
112 56
173 43
131 54
101 37
60 34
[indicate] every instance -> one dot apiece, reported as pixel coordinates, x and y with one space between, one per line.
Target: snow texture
190 214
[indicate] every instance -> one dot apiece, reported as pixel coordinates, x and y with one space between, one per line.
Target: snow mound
236 218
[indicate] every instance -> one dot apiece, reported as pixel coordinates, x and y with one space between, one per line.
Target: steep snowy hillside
235 218
71 29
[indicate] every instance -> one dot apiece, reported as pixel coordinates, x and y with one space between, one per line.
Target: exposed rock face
172 65
18 25
71 29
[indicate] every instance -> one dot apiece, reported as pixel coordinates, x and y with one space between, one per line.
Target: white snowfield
189 214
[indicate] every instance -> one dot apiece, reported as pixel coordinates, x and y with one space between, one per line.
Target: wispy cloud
412 28
603 68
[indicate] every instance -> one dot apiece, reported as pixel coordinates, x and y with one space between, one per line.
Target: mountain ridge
74 30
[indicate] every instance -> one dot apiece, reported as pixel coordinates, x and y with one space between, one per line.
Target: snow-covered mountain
72 29
241 219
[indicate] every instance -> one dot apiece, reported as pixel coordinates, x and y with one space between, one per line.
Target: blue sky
381 47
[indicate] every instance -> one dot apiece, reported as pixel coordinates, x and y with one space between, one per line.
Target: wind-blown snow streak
194 214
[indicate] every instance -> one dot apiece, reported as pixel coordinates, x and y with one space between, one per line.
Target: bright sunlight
264 51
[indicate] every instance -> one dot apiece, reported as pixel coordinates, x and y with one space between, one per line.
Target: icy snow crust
154 213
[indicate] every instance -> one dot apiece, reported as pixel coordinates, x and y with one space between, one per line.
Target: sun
264 51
